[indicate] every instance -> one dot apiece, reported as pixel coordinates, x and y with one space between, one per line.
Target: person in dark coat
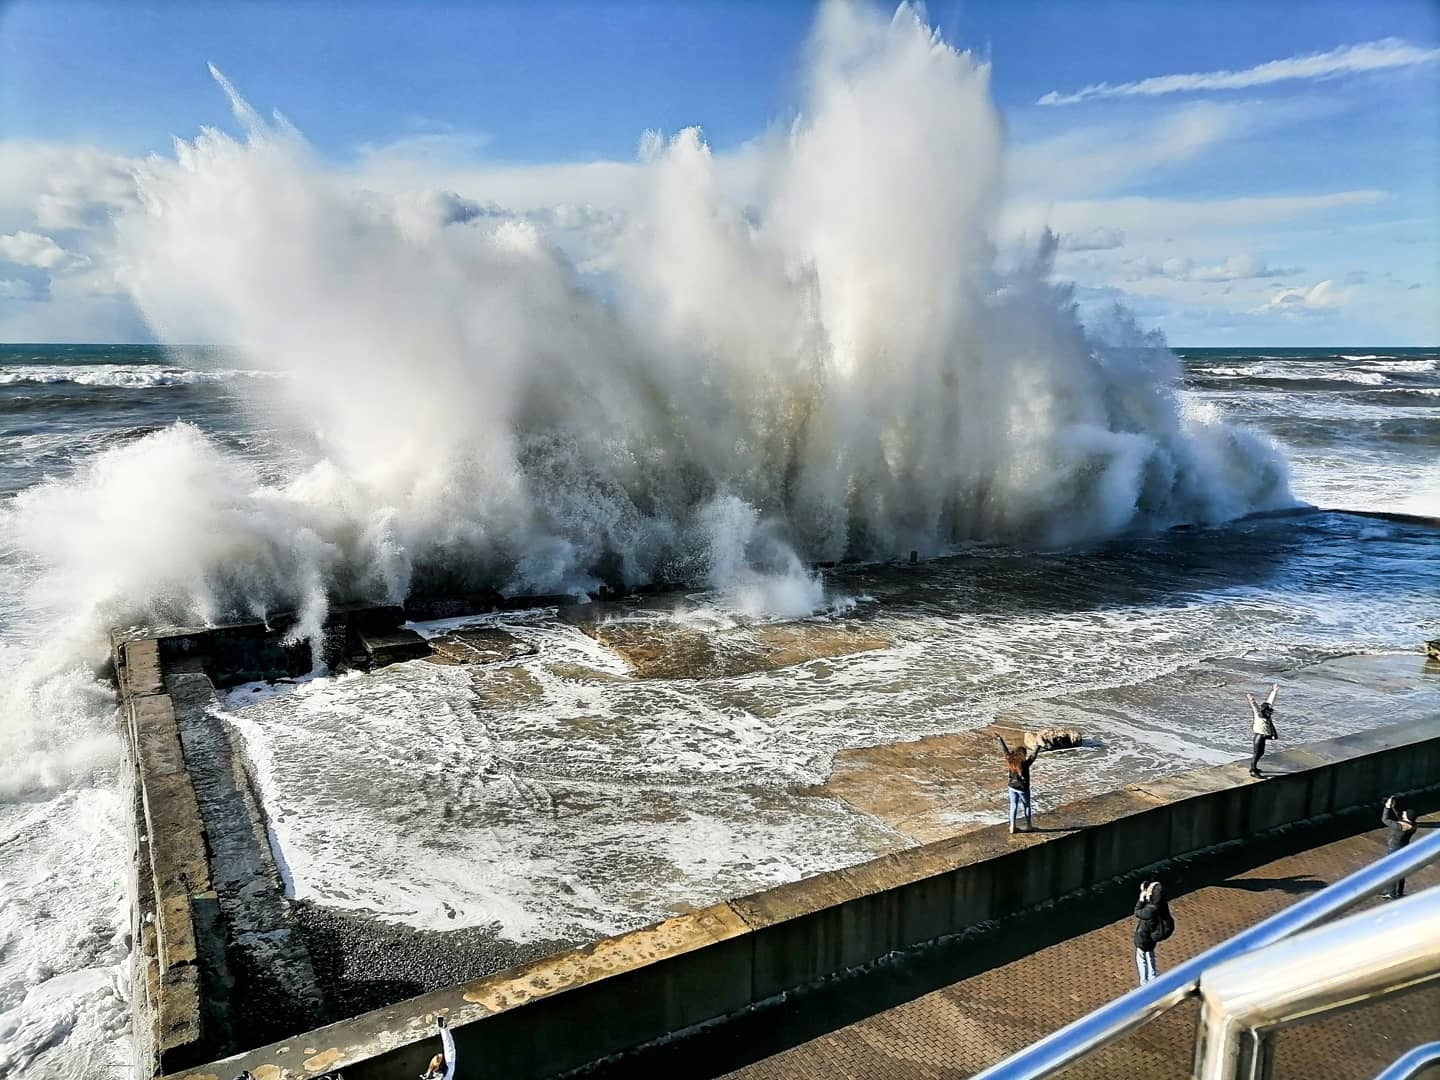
1399 825
1153 924
1018 761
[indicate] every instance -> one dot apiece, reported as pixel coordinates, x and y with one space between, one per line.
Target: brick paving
958 1030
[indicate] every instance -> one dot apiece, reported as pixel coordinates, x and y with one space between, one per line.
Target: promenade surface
958 1030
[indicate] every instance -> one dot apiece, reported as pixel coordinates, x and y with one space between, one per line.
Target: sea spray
828 364
841 356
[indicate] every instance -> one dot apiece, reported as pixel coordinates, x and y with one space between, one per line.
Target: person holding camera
1153 924
1399 822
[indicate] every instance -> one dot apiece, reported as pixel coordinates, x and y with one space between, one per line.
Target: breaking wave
831 364
117 376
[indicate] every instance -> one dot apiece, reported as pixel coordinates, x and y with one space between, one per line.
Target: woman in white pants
1262 726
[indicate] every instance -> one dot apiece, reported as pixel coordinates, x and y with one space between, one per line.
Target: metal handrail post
1115 1018
1364 956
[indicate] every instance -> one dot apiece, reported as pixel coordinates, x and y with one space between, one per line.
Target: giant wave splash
837 367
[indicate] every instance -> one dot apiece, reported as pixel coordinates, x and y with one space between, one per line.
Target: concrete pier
626 995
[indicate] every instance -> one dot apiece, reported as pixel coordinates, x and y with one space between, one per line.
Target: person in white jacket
442 1065
1261 726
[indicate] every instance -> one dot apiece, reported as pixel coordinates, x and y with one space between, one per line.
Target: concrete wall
578 1006
172 868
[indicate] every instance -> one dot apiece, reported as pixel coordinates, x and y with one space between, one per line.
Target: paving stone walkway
960 1029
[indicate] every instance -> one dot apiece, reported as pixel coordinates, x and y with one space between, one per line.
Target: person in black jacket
1399 824
1153 924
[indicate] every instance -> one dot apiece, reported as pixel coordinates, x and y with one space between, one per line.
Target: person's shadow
1295 883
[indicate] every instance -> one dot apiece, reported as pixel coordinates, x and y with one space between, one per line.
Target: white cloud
1234 268
16 289
1097 239
1320 297
1151 217
92 318
1345 60
31 249
444 149
1100 157
54 186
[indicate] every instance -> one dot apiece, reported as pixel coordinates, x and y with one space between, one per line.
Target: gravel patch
363 962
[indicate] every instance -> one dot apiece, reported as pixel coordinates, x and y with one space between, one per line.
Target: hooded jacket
1148 915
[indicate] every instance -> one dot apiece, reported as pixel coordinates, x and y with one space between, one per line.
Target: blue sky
1297 205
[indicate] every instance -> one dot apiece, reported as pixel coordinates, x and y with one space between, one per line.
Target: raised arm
447 1044
1003 748
1274 689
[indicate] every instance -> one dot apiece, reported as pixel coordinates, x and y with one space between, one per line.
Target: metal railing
1411 1063
1365 956
1165 991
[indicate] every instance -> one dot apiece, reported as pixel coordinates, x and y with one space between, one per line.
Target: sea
558 797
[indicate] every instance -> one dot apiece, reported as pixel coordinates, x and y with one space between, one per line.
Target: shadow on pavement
802 1015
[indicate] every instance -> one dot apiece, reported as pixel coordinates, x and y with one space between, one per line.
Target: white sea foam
1302 370
557 797
1416 366
122 376
65 871
1365 378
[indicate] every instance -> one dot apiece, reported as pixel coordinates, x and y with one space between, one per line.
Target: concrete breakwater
581 1005
221 959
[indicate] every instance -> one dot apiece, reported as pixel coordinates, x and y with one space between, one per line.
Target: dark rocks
363 963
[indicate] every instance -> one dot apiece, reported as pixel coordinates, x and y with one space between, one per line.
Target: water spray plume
835 369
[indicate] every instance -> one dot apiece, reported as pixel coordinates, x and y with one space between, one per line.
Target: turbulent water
421 391
521 795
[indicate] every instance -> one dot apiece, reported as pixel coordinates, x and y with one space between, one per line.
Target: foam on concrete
583 1005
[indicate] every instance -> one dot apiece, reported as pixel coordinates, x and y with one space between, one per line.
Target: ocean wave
1269 373
1227 372
1398 395
119 376
1415 366
1364 378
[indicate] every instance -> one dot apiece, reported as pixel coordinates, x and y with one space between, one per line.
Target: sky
1237 173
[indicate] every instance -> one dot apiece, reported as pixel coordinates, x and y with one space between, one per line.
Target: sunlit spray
834 368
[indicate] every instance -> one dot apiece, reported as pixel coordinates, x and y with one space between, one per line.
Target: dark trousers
1257 753
1397 889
